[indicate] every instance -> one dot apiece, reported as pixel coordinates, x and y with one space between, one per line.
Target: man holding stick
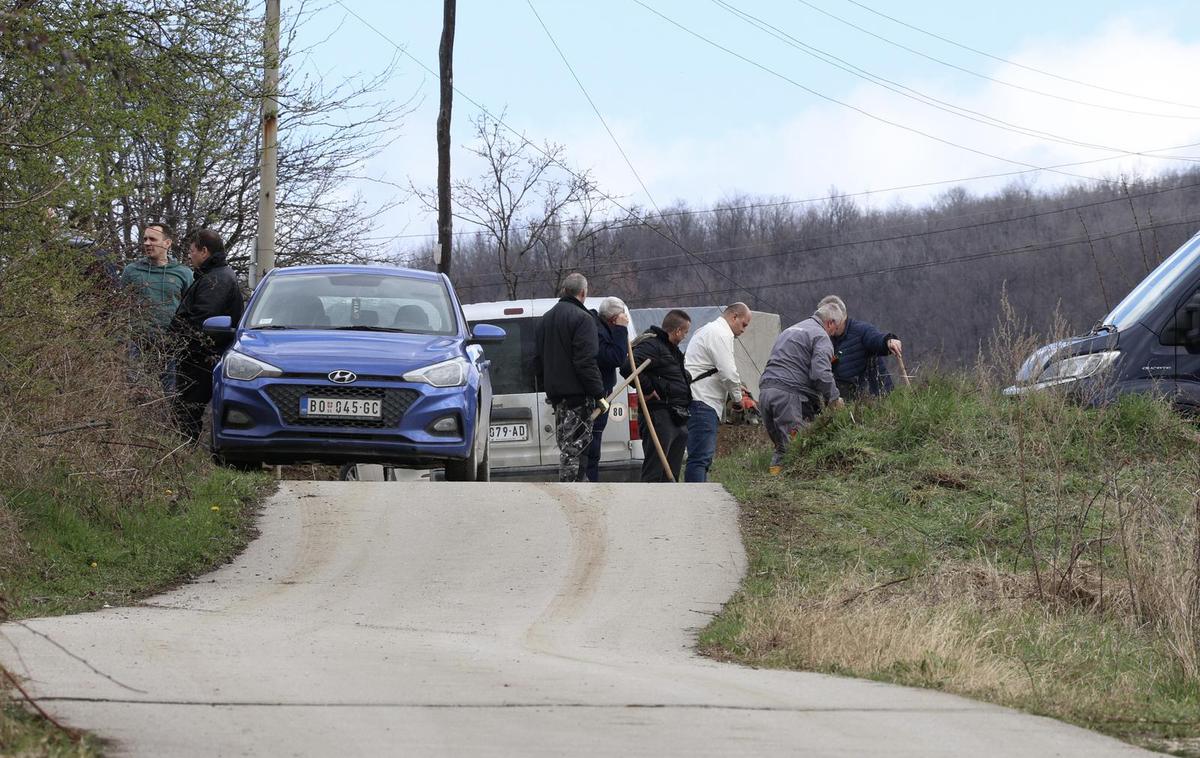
665 390
565 360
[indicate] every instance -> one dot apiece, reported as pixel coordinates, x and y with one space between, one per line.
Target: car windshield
362 301
1147 294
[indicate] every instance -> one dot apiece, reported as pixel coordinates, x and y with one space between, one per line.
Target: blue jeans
701 441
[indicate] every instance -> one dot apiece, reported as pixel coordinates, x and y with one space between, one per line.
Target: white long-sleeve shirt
712 347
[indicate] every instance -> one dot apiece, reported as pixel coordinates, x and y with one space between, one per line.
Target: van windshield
1146 295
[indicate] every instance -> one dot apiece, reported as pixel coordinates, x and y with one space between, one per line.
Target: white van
522 424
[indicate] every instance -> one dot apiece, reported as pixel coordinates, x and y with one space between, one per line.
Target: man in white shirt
709 363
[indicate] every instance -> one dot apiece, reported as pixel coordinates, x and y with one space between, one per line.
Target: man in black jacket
214 292
668 395
565 361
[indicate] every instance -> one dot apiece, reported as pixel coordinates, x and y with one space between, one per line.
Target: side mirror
218 326
485 334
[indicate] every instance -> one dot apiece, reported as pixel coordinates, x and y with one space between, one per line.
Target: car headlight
1037 362
1078 367
451 373
244 368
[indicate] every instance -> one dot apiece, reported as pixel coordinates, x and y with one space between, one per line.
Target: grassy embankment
1030 553
100 502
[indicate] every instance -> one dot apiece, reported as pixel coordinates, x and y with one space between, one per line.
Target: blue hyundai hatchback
341 363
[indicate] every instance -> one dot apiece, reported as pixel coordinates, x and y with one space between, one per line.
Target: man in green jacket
160 282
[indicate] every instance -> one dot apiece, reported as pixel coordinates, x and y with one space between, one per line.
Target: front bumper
259 421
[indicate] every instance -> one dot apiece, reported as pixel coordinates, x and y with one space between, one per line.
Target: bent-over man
665 384
858 354
710 364
214 292
565 349
798 377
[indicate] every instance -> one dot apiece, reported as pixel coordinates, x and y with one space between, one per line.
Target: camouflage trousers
573 432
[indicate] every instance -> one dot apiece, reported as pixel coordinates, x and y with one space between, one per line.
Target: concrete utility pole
264 253
445 59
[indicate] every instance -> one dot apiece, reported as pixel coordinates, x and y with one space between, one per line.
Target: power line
852 107
949 41
638 269
952 261
617 142
807 200
912 94
650 227
995 80
525 140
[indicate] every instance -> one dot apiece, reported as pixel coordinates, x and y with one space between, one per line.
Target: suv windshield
1147 294
365 301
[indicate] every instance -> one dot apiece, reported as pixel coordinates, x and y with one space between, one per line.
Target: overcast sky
701 124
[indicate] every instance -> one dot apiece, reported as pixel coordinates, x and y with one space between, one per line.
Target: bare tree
533 212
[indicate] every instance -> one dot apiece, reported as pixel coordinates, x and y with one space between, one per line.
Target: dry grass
850 629
1030 552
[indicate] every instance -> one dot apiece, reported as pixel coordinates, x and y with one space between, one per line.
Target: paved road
480 619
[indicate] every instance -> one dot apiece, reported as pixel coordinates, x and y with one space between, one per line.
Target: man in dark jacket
612 333
665 383
858 355
214 292
564 358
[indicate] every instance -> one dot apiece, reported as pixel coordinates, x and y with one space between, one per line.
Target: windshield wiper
366 328
1102 328
270 326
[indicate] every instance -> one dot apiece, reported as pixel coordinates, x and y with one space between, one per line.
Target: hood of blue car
322 351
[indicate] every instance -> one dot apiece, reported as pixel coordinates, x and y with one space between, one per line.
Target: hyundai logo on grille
342 376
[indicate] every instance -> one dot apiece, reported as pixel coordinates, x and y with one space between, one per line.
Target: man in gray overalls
798 378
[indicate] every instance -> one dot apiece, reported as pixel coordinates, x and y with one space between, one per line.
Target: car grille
395 402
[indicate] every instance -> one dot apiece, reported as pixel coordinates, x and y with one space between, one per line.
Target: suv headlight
244 368
451 373
1078 367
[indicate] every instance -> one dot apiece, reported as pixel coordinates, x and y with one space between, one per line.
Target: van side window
1183 327
512 359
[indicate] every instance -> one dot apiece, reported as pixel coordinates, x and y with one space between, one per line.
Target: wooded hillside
934 274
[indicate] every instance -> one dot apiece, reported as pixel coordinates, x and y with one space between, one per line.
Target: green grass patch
74 547
1032 553
81 555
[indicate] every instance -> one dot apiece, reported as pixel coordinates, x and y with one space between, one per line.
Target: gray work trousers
783 415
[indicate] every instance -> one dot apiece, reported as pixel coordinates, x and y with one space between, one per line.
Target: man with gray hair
564 360
858 354
714 374
612 334
798 377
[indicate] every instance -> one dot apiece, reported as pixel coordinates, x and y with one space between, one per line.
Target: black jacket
665 375
214 292
612 352
565 353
